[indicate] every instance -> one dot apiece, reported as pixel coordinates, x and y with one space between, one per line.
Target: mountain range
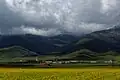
94 44
38 44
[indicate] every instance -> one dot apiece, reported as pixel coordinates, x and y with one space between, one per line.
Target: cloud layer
74 16
32 30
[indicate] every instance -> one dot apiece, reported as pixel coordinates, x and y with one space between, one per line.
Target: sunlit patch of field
59 74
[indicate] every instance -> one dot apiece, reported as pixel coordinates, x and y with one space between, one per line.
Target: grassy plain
59 74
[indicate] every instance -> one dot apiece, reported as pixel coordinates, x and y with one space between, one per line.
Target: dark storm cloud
44 17
8 19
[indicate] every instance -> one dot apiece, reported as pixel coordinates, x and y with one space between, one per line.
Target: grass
60 74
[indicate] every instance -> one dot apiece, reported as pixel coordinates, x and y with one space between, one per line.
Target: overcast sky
53 17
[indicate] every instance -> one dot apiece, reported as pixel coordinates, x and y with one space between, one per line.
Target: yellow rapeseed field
59 74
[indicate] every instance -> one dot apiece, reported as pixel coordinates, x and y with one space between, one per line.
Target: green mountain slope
15 51
83 54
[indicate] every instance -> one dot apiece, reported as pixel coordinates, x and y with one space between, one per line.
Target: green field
59 74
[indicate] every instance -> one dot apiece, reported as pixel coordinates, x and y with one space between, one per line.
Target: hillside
82 54
100 41
15 51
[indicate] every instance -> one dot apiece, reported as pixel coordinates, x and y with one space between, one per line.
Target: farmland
60 74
